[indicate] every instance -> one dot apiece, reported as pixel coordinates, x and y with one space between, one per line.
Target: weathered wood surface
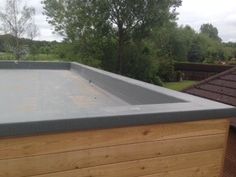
165 150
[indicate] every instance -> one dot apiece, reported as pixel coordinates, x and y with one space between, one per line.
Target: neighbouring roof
199 67
221 88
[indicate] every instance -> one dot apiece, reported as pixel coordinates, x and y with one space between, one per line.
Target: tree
197 50
33 31
16 20
121 20
210 31
137 18
171 41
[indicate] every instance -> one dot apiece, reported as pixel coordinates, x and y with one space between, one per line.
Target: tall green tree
123 21
171 41
211 31
197 51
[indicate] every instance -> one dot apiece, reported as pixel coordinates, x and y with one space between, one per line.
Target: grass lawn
179 86
39 57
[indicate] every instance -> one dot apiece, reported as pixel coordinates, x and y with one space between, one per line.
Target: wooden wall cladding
190 149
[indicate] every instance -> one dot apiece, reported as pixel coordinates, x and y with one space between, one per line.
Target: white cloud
46 30
220 13
231 19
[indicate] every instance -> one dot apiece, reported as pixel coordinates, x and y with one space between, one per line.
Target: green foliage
197 51
42 57
138 62
37 57
2 47
139 39
7 56
166 70
210 31
182 42
109 24
172 42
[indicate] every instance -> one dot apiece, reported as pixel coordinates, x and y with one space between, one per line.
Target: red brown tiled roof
221 88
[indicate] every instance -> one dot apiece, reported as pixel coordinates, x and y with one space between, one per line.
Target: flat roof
46 97
48 91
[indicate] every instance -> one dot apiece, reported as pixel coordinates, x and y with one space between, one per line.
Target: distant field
179 86
40 57
6 56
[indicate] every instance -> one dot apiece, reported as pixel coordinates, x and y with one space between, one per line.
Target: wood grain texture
163 150
225 149
147 166
56 143
58 162
204 171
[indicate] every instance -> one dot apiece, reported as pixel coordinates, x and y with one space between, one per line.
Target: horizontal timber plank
51 163
146 166
205 171
54 143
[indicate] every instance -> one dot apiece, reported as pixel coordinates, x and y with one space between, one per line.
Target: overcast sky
221 13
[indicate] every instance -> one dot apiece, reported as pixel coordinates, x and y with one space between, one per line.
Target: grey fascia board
190 108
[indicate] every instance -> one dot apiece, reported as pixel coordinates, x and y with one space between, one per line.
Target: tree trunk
120 49
17 49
